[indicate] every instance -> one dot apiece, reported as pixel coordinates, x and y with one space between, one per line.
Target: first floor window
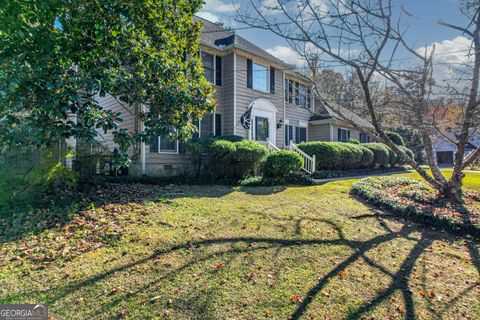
343 134
364 138
166 144
300 134
261 128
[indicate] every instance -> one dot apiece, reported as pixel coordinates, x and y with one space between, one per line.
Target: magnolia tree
367 38
57 57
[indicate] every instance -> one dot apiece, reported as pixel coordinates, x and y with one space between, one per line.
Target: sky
424 31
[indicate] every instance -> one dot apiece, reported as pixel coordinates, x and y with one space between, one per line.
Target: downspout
143 147
234 92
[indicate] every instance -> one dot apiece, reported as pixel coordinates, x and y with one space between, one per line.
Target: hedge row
341 155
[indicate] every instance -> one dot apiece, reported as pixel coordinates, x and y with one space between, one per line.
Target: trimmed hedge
408 152
381 153
337 155
395 137
415 200
281 163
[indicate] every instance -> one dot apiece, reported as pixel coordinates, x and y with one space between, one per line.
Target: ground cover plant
412 198
211 252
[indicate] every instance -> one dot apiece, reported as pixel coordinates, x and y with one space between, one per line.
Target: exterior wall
296 115
127 114
319 132
354 133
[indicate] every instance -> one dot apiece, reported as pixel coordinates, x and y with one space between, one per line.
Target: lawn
218 252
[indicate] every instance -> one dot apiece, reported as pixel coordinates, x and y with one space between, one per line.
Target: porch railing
271 147
308 161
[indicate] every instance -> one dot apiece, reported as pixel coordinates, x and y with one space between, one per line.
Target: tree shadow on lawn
31 222
200 307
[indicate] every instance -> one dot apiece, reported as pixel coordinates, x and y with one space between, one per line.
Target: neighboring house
259 97
444 146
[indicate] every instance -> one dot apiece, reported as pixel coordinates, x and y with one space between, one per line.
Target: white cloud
450 58
208 16
286 54
218 6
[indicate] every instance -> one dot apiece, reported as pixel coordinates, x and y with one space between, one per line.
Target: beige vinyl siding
245 96
108 102
319 132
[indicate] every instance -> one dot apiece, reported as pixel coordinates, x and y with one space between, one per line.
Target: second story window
298 93
208 66
259 77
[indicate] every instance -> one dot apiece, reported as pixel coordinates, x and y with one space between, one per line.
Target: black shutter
286 90
339 133
249 73
218 71
154 144
290 91
218 124
286 134
297 134
297 93
290 134
272 80
309 97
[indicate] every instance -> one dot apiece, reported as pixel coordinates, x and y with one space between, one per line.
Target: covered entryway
445 157
263 125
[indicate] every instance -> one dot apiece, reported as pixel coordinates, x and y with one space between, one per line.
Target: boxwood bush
338 155
381 153
395 137
281 163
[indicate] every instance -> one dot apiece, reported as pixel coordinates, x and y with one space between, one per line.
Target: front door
262 128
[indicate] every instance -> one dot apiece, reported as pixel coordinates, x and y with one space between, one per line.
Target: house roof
218 37
451 137
348 116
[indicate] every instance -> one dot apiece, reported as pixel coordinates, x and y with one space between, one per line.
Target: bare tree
367 37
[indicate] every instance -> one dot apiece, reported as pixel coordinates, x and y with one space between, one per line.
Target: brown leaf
218 266
295 298
342 274
423 293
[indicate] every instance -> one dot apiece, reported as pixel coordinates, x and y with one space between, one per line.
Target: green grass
216 252
471 180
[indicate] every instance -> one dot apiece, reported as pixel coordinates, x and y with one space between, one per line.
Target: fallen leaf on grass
295 298
423 293
218 266
342 274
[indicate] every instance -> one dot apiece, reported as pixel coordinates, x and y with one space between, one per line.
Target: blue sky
424 29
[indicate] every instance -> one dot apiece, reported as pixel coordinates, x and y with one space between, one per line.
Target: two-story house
259 97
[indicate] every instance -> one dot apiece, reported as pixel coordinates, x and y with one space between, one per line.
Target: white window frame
267 90
346 129
177 147
214 65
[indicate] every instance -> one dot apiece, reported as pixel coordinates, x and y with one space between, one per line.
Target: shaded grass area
212 252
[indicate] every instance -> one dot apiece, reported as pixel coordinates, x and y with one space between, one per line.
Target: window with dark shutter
297 134
249 73
218 71
218 124
272 80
